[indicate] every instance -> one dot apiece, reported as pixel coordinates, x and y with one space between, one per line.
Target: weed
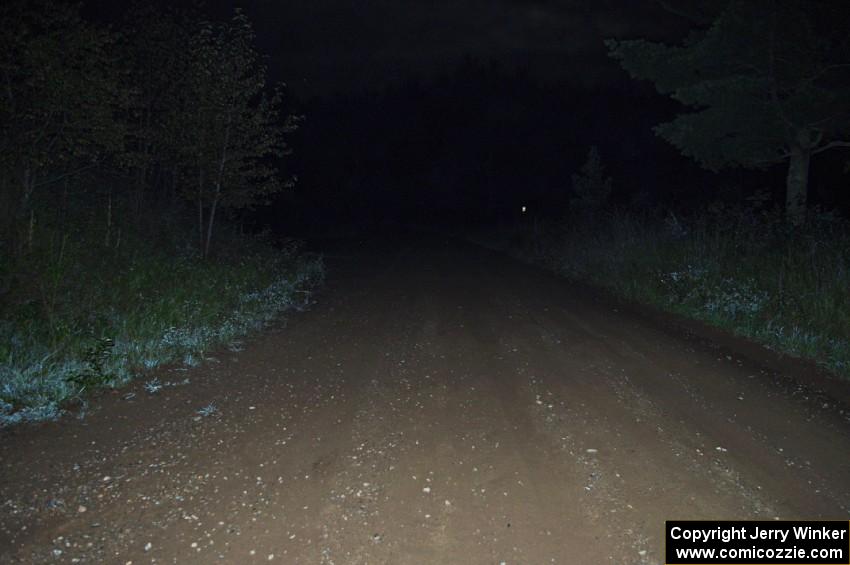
153 386
742 269
154 301
94 371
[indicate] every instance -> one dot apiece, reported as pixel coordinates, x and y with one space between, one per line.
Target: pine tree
767 82
591 187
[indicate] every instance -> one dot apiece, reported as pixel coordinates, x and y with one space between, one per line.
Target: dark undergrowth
740 268
86 305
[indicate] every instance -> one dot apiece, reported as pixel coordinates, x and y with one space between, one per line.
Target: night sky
465 110
457 110
323 46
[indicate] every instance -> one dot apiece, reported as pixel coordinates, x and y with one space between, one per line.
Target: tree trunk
107 238
173 196
143 171
210 224
201 245
225 145
25 207
797 185
28 184
139 195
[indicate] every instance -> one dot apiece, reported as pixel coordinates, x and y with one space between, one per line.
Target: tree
60 97
234 127
156 48
591 188
767 82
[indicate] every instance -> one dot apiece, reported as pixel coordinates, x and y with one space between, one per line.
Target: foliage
741 268
98 280
61 96
591 187
178 105
93 373
116 313
156 61
234 132
765 83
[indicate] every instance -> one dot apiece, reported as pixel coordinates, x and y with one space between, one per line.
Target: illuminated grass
97 318
741 270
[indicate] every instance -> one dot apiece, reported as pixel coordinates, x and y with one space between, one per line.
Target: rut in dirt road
440 404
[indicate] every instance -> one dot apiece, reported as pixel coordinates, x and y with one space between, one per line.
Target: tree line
177 107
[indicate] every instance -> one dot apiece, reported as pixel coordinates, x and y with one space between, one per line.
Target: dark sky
425 122
321 46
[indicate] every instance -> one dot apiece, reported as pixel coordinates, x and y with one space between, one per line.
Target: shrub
741 268
79 316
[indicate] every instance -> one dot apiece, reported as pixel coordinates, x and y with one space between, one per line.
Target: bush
741 268
591 187
79 315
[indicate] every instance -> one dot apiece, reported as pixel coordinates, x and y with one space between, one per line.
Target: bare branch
831 145
64 175
817 123
825 69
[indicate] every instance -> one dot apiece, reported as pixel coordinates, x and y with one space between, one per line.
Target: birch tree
236 128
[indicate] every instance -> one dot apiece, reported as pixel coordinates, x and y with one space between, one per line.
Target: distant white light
523 209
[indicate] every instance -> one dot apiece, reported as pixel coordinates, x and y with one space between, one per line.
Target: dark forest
593 257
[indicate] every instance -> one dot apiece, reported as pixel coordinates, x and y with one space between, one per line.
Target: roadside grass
80 313
738 268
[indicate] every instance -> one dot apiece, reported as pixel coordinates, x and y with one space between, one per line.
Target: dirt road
440 404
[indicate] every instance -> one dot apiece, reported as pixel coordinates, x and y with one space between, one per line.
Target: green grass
741 269
80 314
